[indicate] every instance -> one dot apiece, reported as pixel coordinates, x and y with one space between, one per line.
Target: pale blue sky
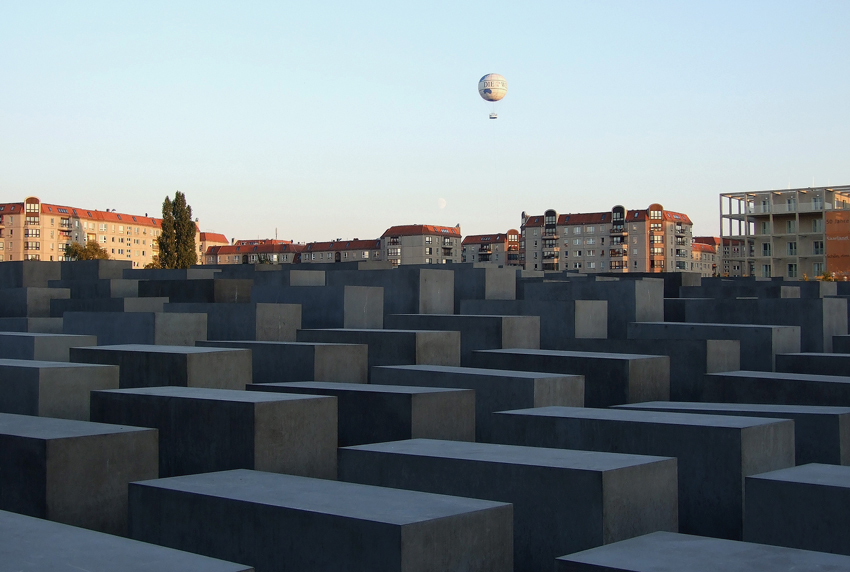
340 119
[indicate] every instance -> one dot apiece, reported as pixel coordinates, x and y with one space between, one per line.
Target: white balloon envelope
492 87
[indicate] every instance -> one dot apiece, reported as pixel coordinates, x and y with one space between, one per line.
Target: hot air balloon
492 87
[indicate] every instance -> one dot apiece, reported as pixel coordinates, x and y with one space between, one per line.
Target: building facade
789 233
421 244
620 240
495 249
207 240
704 255
255 251
342 251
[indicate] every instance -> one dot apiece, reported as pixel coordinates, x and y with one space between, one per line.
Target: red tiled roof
699 247
584 218
97 215
712 240
252 242
339 245
213 237
11 208
421 229
485 238
533 221
256 249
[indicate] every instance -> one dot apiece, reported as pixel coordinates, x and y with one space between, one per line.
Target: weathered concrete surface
329 306
715 452
477 332
89 270
822 434
282 522
198 291
800 507
776 388
279 362
249 321
43 347
407 289
578 500
495 389
34 325
371 413
73 472
112 328
38 545
29 302
814 363
759 344
395 347
99 288
205 430
59 307
52 389
472 283
668 552
28 273
155 366
609 379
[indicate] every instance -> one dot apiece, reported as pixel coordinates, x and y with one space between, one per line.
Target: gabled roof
213 237
229 249
712 240
421 229
100 216
341 245
699 247
584 218
485 238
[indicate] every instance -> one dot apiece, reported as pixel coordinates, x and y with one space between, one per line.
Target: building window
427 240
655 214
765 249
792 271
792 249
576 230
393 252
790 226
428 251
817 225
817 247
818 268
765 270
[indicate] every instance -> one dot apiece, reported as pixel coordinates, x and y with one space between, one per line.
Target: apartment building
497 249
342 251
421 244
207 240
790 233
255 251
704 255
619 240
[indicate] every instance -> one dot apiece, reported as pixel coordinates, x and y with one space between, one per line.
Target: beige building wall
422 244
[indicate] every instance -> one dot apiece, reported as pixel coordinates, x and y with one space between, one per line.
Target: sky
319 120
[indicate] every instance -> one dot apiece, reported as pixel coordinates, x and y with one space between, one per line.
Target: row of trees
176 241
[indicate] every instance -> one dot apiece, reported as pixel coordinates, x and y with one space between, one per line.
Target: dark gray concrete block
196 273
690 360
205 430
99 288
35 325
113 328
802 507
759 344
819 319
157 366
28 273
476 332
279 362
376 413
715 452
814 363
59 307
88 270
777 388
559 320
395 347
44 347
840 345
281 522
52 389
578 500
407 289
822 434
668 552
38 545
249 321
29 302
495 389
73 472
198 291
609 379
329 306
472 283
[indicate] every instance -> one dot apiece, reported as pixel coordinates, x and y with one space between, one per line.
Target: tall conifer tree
184 230
167 239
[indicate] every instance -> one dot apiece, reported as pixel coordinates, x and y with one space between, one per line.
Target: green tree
177 239
91 251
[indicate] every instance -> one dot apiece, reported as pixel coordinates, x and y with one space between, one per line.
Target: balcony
618 229
485 249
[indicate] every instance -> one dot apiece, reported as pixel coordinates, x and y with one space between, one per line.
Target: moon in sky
441 203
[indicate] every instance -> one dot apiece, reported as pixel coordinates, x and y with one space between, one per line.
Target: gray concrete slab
395 347
477 332
35 325
668 552
407 289
38 545
156 366
329 306
690 360
579 499
759 344
776 388
83 270
43 347
113 328
375 413
205 430
248 321
814 363
29 302
609 378
28 273
821 434
840 345
801 507
198 291
196 273
279 362
715 452
74 472
472 283
59 307
559 319
52 389
282 522
495 389
99 288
